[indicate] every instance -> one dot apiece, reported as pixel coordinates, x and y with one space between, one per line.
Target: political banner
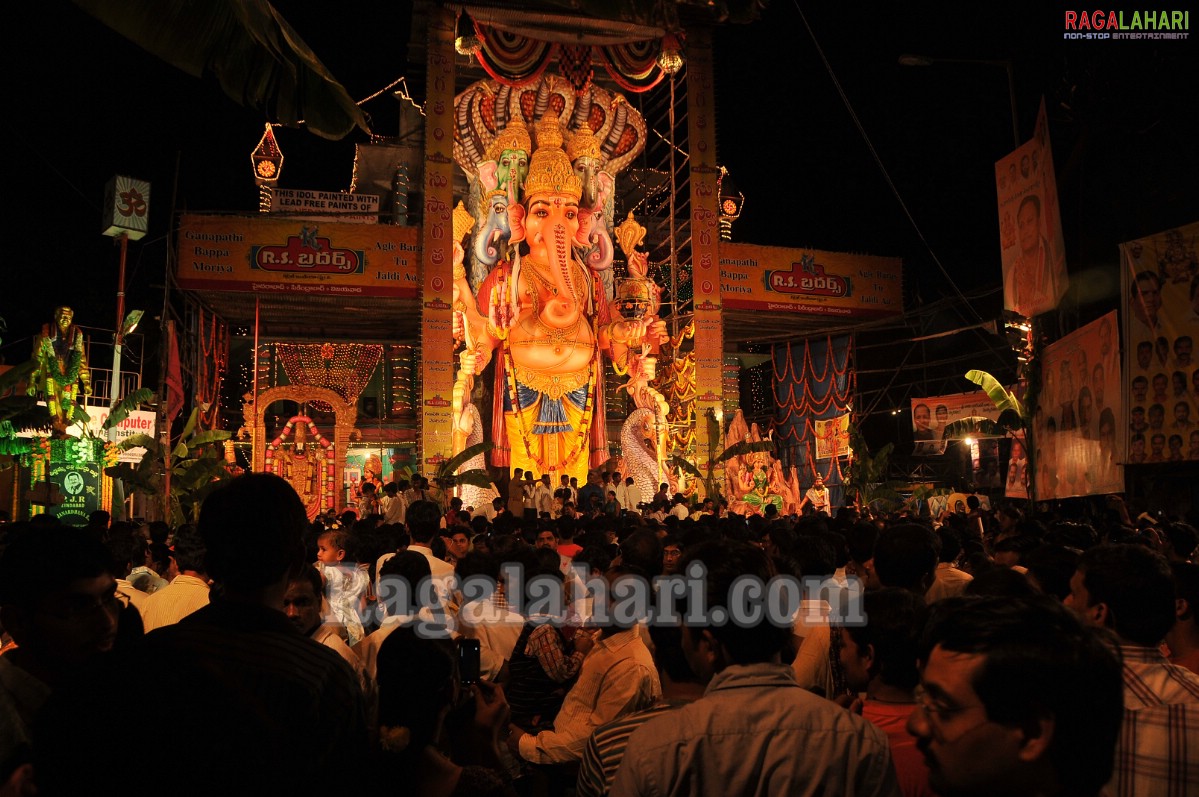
1160 279
1074 425
1032 247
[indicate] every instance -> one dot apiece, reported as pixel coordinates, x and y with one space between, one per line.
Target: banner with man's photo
931 415
1016 483
1032 248
1074 426
1160 280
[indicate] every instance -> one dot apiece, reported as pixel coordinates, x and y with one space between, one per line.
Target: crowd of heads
1016 677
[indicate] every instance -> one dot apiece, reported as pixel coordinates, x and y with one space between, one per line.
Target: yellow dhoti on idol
548 418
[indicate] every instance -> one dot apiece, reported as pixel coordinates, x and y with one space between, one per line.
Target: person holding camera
441 738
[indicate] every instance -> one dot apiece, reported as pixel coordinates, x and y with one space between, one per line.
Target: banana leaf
127 405
10 379
1002 398
141 441
210 436
744 447
974 426
687 467
476 477
24 414
462 457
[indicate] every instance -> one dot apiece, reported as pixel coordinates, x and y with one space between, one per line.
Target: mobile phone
468 661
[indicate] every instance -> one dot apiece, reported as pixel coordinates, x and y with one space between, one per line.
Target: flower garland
66 373
215 355
317 439
584 424
112 454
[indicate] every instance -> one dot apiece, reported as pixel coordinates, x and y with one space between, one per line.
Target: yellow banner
832 437
263 255
809 281
437 340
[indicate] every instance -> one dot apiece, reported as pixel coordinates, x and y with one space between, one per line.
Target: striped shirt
606 747
1157 752
175 601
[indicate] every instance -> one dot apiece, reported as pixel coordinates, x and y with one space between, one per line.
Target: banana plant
711 488
868 480
116 415
447 476
1012 413
19 412
196 465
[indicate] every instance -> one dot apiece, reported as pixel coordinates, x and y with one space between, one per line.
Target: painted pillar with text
705 242
437 256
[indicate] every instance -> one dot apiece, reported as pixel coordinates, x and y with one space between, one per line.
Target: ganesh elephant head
553 226
600 250
494 228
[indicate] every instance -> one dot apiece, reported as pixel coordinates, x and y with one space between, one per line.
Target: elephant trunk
565 306
599 256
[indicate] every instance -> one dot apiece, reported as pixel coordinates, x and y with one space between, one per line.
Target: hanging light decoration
732 202
267 160
670 59
466 41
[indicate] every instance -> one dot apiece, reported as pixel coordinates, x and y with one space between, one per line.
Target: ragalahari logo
1127 24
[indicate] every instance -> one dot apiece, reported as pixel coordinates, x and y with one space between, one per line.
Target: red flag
174 381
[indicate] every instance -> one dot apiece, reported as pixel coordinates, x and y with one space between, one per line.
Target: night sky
85 104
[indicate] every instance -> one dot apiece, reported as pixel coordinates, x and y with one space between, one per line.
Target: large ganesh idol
543 315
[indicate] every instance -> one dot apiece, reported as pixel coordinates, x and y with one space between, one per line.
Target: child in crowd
346 584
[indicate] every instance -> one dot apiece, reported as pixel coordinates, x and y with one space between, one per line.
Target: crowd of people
990 652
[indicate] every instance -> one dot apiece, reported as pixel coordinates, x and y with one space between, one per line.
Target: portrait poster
832 437
363 465
1074 425
1160 290
1032 248
1016 480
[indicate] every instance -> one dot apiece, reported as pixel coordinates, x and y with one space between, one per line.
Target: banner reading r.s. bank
263 255
809 281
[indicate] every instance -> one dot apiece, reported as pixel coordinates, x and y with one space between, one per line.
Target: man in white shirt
632 496
393 504
678 507
424 523
622 491
543 496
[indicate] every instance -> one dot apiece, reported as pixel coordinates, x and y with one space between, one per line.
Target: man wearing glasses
1016 697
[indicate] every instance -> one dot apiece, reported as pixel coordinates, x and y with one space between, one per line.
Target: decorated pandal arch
303 454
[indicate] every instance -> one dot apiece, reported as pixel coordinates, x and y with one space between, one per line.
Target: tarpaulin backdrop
813 381
1161 325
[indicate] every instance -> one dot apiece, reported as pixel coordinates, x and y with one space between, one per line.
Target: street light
907 59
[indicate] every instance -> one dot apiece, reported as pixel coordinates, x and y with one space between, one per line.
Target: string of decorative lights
404 94
344 368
